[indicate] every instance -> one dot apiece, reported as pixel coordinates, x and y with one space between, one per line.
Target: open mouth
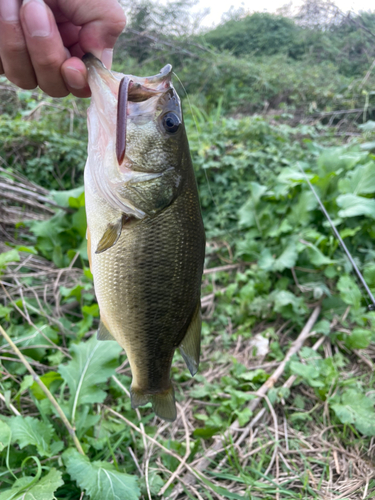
131 89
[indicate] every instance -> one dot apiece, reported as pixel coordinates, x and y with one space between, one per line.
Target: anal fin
103 332
191 344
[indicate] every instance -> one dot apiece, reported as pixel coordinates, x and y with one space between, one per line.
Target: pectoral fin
103 332
191 344
110 236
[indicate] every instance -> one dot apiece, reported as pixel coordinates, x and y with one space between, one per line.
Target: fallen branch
44 389
219 442
31 194
25 201
11 407
219 269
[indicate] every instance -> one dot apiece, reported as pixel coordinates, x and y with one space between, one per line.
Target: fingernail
107 58
36 18
74 78
9 10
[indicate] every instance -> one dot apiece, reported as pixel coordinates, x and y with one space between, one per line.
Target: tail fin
163 403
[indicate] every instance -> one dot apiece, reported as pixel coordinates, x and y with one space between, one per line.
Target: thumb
101 21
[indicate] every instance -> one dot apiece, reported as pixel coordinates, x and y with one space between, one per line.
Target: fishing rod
371 307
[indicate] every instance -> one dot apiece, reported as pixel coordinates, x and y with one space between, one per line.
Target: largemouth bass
145 232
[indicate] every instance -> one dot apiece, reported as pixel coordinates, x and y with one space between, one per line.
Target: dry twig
44 389
205 461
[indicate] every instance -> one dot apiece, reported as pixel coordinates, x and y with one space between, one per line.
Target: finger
45 47
69 33
74 73
102 23
1 68
13 50
76 51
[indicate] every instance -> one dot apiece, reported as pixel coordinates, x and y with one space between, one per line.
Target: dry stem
219 442
44 389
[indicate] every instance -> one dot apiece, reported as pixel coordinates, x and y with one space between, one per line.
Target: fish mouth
129 89
156 82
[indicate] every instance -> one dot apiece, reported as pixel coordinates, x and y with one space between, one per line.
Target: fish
145 233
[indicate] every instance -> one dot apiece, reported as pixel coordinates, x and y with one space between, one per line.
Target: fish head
135 124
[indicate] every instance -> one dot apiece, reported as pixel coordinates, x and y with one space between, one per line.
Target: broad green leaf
248 211
266 260
206 432
368 146
243 416
100 480
75 292
92 310
47 379
29 430
285 298
349 291
155 483
369 275
27 249
92 364
44 489
305 203
79 221
66 198
287 259
258 375
369 126
27 382
358 339
353 206
359 181
5 434
334 159
308 372
356 408
317 257
50 228
323 326
11 256
31 336
4 312
289 175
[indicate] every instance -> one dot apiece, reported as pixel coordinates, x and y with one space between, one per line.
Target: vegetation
67 430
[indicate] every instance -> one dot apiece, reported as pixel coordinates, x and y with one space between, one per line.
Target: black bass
145 232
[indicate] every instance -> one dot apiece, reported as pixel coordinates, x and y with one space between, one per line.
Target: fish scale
147 268
150 321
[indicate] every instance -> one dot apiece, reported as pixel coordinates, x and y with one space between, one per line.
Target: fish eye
171 123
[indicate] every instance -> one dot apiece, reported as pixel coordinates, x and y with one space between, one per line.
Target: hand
41 43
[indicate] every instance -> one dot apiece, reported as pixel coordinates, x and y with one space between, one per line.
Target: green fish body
145 232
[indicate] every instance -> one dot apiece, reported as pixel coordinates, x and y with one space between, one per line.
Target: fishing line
371 307
199 141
